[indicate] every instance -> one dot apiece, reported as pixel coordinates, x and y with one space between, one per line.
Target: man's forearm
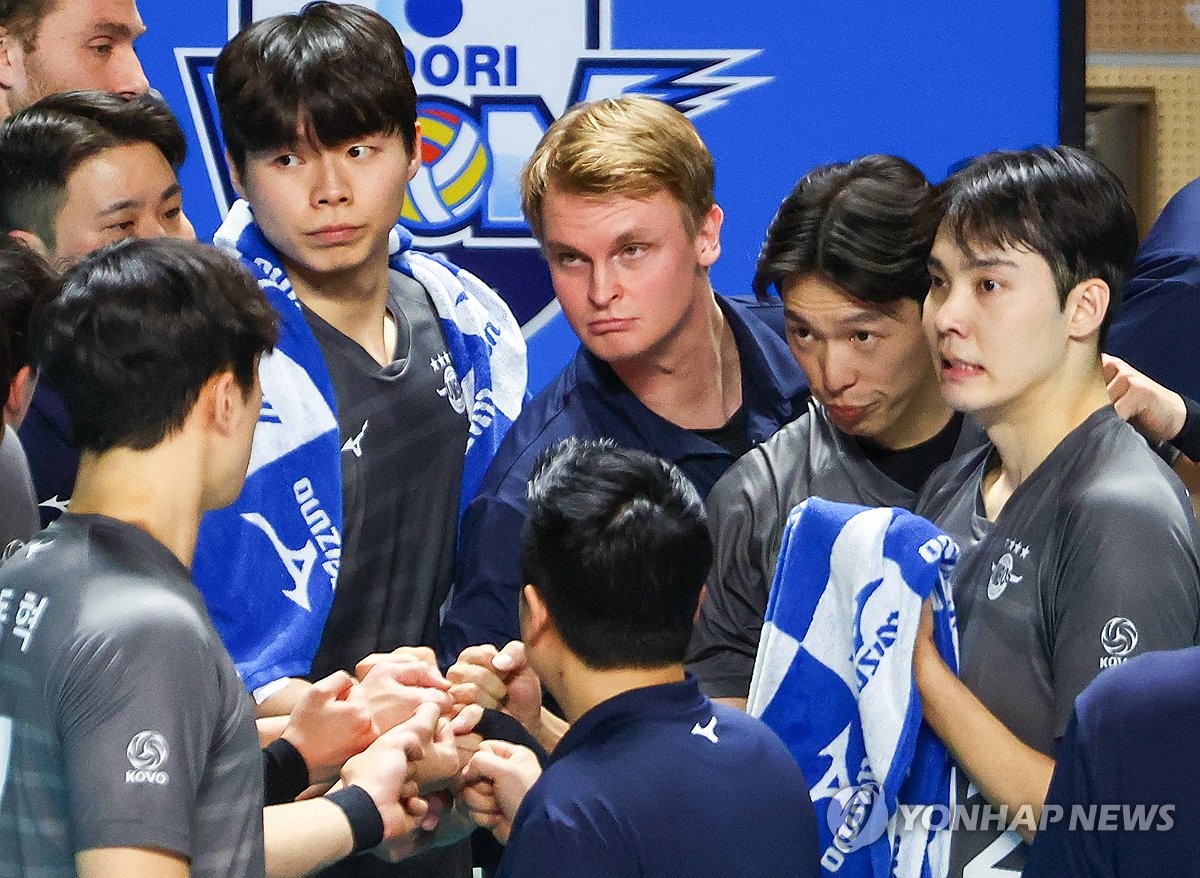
1006 770
302 837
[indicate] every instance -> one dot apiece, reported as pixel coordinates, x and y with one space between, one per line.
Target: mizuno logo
708 730
55 503
299 563
355 445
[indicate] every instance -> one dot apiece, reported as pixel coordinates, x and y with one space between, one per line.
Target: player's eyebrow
118 30
118 206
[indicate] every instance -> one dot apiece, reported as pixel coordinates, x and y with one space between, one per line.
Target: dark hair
1056 201
617 546
22 17
26 282
138 329
44 143
866 226
337 71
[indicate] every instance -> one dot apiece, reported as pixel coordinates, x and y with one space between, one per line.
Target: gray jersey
747 511
122 720
18 508
1092 559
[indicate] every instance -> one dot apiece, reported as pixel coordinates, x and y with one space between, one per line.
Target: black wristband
285 775
1188 440
366 823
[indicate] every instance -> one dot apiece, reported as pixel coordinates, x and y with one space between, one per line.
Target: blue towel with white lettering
268 565
833 678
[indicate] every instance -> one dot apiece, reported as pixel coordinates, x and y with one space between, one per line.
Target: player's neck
694 380
354 302
579 688
157 490
926 415
1032 427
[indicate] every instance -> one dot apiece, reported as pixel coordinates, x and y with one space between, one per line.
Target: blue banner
774 88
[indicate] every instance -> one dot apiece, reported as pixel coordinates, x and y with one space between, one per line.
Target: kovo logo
857 817
147 753
1118 637
492 77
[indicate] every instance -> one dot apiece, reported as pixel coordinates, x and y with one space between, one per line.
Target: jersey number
984 864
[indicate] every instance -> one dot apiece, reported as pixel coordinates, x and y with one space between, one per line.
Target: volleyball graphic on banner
456 168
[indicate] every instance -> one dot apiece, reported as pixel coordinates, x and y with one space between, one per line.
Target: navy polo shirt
1155 328
53 458
659 781
589 401
1127 779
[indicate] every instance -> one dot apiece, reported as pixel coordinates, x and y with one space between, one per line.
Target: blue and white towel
267 566
834 679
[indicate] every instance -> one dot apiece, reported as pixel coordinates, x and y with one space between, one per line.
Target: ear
708 237
20 394
12 59
32 241
537 621
235 176
414 160
1085 308
222 397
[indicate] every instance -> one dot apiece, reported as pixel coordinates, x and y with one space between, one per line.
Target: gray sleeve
136 718
1127 583
746 522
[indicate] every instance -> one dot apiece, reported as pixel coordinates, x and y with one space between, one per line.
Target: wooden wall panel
1143 26
1176 119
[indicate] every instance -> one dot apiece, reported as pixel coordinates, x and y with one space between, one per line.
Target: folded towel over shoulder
268 565
834 679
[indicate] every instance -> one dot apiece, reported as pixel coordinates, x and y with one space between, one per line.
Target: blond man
619 194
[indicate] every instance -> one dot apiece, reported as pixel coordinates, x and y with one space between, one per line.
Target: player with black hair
25 282
407 369
1079 545
130 743
847 253
79 170
652 778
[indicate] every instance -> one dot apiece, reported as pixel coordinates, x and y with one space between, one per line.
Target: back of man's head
26 282
43 144
624 147
1058 202
331 71
139 328
617 547
866 226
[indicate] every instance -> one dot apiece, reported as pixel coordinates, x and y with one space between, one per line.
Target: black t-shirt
403 439
911 467
732 436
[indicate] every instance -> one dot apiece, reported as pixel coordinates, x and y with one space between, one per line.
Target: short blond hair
629 146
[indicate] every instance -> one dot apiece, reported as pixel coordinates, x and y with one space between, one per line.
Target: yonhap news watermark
857 817
1086 818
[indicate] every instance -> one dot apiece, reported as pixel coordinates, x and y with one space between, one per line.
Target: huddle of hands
406 735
